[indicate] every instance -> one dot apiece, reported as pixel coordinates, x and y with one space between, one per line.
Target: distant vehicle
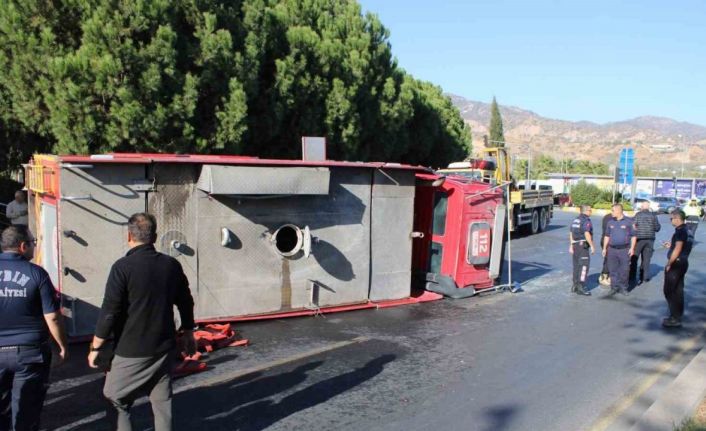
654 205
562 199
531 209
665 204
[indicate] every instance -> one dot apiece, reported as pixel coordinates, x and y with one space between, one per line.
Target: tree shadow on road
255 402
500 418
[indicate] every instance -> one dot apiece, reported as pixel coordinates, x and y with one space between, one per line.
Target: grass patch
691 425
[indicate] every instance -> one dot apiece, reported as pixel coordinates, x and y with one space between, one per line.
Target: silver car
665 204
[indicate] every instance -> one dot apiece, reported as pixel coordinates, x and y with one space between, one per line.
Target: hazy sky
595 60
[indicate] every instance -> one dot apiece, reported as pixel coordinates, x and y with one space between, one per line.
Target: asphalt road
542 359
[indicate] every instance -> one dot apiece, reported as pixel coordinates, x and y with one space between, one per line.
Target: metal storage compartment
255 237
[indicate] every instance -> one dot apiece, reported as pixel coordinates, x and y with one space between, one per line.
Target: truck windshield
440 205
474 175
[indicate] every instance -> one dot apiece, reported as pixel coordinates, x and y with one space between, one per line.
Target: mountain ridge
659 142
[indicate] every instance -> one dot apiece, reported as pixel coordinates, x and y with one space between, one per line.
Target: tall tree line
214 76
543 165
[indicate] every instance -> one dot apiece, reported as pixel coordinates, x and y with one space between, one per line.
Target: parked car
665 204
654 206
562 199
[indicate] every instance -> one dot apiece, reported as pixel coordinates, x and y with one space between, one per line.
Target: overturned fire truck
266 238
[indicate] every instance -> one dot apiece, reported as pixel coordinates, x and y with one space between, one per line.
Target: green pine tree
497 136
241 77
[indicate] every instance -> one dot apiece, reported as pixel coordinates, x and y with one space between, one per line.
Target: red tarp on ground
208 338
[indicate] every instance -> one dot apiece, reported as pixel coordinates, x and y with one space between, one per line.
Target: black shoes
579 290
582 291
671 322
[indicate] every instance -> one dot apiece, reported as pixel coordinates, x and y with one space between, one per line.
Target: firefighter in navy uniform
580 242
619 246
29 314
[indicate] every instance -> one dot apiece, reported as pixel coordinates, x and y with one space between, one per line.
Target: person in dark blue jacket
618 246
580 242
29 312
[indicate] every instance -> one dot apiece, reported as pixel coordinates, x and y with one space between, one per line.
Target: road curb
679 401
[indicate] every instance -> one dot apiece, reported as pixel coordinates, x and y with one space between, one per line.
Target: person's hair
143 228
618 206
585 208
679 213
13 236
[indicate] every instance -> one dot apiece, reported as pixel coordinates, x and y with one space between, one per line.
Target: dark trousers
692 223
24 378
674 287
618 267
581 261
643 250
130 378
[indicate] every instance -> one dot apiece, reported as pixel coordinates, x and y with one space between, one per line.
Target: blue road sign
626 166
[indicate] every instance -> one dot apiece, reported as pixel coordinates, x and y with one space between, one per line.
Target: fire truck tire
534 225
543 220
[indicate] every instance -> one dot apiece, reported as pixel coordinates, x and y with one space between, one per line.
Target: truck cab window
440 206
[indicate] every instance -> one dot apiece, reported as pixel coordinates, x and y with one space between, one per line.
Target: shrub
607 195
602 205
585 194
606 205
8 187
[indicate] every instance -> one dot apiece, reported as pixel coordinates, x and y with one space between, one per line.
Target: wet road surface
542 359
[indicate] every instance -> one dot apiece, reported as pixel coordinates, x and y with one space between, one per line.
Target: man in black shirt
142 289
29 312
674 271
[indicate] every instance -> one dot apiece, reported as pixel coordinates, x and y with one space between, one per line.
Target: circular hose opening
288 240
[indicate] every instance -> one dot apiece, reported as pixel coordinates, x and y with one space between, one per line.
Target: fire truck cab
462 221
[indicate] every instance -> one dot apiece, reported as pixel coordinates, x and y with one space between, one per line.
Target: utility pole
528 186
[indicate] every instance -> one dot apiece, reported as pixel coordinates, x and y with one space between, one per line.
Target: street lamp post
674 184
528 185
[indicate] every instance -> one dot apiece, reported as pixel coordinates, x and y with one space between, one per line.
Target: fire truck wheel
543 220
534 226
